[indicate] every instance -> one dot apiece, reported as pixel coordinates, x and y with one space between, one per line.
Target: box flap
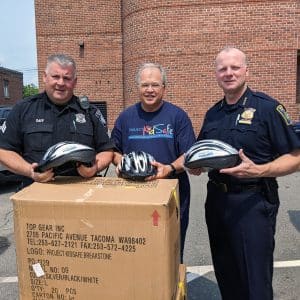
99 189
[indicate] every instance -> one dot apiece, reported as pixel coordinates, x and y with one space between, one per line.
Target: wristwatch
173 172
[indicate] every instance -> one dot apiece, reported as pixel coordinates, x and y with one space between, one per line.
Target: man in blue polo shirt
160 128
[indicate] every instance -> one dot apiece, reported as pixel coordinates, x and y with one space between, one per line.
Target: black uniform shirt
36 123
257 124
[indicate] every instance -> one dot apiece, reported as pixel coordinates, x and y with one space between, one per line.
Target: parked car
6 176
4 112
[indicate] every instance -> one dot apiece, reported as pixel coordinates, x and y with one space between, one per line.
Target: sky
18 40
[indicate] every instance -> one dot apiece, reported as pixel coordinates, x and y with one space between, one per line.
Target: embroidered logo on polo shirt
247 115
80 118
284 114
152 132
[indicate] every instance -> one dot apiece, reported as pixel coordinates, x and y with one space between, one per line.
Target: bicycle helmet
211 154
66 152
137 165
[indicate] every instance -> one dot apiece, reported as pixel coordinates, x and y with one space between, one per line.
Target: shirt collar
73 103
240 103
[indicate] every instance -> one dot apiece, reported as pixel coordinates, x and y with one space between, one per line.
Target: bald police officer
242 202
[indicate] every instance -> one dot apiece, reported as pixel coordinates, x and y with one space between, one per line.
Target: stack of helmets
211 154
66 152
136 165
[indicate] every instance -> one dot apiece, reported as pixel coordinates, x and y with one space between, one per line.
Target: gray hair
151 65
61 59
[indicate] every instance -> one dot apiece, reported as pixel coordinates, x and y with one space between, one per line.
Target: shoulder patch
284 114
3 127
99 116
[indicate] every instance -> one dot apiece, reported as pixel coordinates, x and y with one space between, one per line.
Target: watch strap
173 172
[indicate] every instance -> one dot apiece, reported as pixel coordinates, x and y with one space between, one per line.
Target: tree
29 90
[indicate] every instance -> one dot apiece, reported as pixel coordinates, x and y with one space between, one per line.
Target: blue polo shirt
166 134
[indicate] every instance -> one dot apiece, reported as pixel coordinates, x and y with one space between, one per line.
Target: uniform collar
73 103
240 103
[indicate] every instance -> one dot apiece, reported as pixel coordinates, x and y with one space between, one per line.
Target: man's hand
103 159
246 169
87 172
118 169
41 177
163 171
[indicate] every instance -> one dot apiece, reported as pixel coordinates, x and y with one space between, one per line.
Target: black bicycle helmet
211 154
66 152
136 165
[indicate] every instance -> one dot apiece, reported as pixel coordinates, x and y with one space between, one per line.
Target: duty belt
237 187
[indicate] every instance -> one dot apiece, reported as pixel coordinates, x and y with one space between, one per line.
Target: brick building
11 86
109 39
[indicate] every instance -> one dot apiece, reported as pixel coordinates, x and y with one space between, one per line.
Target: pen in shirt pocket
75 131
237 119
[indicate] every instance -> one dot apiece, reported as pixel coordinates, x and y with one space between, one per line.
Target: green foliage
29 90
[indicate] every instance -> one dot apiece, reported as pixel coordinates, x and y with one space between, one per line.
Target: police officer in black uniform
242 202
40 121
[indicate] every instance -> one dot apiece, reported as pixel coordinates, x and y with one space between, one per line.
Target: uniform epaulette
33 97
262 95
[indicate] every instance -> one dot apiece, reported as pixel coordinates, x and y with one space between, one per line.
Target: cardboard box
182 284
103 238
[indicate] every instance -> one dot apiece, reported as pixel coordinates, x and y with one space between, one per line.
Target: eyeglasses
154 85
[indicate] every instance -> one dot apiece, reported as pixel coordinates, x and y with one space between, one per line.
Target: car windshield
4 112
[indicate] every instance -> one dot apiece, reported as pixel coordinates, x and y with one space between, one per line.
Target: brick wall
184 36
298 82
15 86
62 25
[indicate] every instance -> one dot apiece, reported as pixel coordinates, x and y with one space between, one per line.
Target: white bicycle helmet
136 165
65 152
211 154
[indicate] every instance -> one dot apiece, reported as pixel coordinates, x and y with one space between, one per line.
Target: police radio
84 102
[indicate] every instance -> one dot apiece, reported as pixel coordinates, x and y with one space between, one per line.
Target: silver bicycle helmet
136 165
211 154
66 152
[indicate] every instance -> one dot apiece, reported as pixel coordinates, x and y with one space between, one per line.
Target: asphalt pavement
201 280
286 281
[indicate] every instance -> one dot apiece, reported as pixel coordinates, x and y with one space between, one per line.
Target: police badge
80 118
247 116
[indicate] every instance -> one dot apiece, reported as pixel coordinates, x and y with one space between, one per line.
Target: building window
5 88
